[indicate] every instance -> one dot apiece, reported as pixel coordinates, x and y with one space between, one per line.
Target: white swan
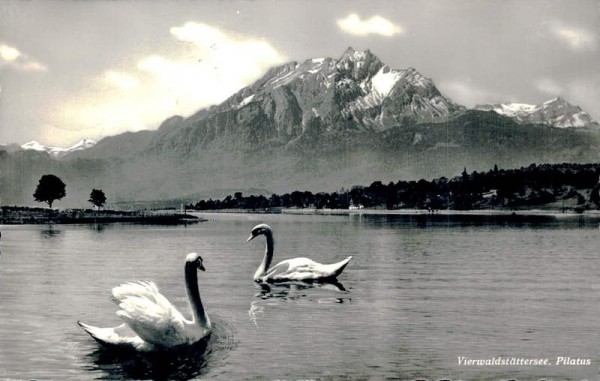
155 322
296 269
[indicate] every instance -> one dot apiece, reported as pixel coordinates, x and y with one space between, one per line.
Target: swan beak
201 267
250 238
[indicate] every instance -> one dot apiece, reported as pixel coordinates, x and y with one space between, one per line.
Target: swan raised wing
150 315
155 321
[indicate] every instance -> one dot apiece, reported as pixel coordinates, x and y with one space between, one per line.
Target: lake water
417 296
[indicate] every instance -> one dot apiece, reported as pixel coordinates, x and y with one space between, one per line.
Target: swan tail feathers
340 266
116 337
102 335
86 327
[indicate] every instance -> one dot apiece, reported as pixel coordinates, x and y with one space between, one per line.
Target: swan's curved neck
191 283
268 258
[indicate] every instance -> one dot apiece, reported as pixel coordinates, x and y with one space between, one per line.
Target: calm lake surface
417 295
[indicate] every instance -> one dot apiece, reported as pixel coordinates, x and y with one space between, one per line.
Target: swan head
196 260
258 230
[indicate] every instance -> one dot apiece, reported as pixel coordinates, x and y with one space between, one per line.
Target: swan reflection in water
179 364
284 289
272 293
184 364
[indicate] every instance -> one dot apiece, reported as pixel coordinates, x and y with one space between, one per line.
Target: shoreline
37 216
475 212
409 212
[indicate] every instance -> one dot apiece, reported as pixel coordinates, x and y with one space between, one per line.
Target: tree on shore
97 198
49 189
506 188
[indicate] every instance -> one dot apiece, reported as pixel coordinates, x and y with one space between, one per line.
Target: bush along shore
15 215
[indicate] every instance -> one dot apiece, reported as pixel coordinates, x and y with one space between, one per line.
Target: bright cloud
576 38
121 80
8 53
11 56
205 66
375 25
241 56
199 33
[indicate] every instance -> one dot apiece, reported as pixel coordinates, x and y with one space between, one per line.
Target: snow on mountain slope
57 152
35 146
556 112
385 79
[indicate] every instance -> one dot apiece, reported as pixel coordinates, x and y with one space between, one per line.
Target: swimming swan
296 269
155 322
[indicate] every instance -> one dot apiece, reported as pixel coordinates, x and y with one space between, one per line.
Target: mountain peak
357 55
358 65
84 143
557 100
349 51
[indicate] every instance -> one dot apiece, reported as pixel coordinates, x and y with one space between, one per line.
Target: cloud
121 80
549 86
241 56
33 66
575 38
8 53
11 56
463 92
375 25
585 93
205 66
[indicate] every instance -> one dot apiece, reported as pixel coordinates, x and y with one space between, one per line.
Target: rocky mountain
318 125
356 91
58 152
556 112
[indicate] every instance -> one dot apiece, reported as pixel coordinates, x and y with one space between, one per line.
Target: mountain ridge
318 125
556 112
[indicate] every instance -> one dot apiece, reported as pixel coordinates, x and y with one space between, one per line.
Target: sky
89 69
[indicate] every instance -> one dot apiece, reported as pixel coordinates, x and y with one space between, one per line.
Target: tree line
496 188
